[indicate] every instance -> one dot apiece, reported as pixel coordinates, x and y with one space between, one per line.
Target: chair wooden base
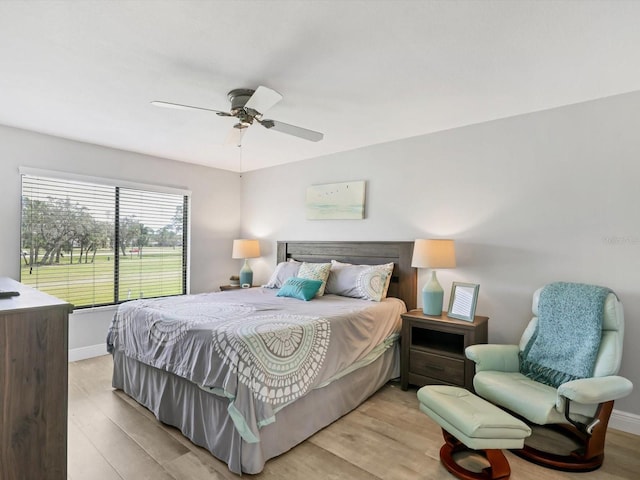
498 464
586 458
567 463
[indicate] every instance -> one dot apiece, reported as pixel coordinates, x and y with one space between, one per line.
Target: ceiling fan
248 106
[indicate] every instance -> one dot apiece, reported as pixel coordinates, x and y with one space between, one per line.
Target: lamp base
432 296
246 275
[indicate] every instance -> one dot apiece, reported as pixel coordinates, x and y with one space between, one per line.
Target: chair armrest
496 357
596 389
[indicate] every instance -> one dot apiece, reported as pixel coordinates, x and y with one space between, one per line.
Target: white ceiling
361 72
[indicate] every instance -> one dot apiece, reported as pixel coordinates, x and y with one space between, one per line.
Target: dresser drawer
447 369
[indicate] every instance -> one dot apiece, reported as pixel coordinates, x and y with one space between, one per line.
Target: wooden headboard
403 281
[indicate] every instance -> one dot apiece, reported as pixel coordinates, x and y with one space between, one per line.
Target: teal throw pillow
300 288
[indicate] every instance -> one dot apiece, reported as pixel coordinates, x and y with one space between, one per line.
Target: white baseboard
91 351
624 421
627 422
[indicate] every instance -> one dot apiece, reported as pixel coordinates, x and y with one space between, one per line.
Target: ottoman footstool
471 423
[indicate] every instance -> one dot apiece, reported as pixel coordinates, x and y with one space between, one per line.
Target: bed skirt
202 417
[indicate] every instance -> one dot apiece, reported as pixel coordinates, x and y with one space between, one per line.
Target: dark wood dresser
33 384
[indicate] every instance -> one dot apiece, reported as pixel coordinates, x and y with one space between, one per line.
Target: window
95 244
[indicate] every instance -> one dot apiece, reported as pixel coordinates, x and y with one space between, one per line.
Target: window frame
124 184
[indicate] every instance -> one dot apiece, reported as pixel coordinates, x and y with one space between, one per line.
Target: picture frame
463 300
336 201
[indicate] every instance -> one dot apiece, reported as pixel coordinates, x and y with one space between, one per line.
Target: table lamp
433 254
243 248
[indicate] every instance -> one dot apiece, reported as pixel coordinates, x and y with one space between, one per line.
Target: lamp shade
431 253
243 248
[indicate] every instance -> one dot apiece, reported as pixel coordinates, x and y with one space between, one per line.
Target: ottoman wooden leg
498 469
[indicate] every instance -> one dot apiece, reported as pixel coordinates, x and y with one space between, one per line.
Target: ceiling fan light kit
248 105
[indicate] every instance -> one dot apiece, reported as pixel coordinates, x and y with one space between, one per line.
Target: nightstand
433 346
229 287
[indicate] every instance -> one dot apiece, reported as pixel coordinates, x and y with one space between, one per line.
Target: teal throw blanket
566 341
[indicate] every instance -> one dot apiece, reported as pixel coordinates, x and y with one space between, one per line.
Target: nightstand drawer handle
435 367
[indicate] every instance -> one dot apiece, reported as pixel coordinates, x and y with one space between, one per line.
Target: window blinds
93 244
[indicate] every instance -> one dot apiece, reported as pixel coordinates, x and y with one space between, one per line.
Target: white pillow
368 282
283 272
315 271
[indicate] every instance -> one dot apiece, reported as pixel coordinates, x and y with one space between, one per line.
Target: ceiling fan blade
263 99
234 137
179 106
292 130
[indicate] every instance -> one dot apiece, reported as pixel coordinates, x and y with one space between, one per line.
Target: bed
247 403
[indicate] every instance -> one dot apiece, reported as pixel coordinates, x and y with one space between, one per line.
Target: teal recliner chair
578 408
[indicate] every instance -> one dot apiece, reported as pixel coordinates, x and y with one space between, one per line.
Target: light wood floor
112 437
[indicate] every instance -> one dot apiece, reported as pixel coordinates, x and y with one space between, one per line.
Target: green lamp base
432 296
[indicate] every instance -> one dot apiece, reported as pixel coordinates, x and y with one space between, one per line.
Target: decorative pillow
315 271
283 271
369 282
300 288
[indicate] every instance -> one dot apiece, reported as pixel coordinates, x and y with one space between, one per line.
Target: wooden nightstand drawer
432 349
447 369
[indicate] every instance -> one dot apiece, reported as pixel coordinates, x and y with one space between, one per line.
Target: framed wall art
336 201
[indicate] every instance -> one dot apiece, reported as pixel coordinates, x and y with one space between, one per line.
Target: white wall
549 196
531 199
215 214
